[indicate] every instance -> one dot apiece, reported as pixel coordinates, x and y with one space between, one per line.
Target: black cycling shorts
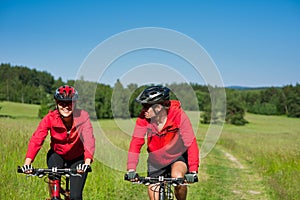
165 171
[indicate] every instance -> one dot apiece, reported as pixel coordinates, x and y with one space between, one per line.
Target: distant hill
235 87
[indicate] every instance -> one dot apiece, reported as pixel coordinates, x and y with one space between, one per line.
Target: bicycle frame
163 193
56 190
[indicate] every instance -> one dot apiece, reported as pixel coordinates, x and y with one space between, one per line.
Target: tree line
25 85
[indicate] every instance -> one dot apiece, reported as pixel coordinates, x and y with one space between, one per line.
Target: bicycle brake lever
38 174
29 175
41 175
75 174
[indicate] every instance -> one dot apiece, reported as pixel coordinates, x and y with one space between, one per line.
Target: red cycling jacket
165 146
79 141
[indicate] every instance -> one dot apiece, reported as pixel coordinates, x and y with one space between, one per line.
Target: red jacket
80 141
175 138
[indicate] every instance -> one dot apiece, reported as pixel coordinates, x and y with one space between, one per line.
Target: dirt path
225 176
233 159
248 184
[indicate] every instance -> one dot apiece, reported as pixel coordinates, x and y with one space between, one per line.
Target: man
172 145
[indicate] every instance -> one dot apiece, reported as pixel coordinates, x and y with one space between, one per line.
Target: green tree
202 98
86 96
103 101
120 101
185 94
235 111
47 104
214 105
134 107
57 83
292 95
21 84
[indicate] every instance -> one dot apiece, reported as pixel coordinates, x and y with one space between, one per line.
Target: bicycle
57 189
164 183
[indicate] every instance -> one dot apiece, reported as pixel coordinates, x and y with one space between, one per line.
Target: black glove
83 167
27 168
191 178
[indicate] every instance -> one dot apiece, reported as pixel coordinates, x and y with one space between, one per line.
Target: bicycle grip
89 169
196 179
19 170
126 177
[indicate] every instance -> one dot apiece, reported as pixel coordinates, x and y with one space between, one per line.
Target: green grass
11 109
14 136
267 147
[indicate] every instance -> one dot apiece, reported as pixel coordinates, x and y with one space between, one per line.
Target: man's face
151 110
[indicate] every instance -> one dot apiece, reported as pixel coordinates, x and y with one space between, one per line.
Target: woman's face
65 108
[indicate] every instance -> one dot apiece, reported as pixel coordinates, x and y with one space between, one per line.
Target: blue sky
252 43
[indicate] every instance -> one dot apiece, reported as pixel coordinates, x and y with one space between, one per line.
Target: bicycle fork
54 189
165 191
66 192
169 192
162 191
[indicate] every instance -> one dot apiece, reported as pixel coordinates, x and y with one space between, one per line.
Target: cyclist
72 140
171 142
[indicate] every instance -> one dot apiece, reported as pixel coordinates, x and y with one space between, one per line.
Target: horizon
238 87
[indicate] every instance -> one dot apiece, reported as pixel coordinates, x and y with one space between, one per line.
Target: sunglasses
146 106
65 103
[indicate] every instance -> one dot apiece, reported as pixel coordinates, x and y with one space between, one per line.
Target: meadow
267 147
270 144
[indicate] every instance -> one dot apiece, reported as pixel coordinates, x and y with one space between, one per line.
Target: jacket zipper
68 135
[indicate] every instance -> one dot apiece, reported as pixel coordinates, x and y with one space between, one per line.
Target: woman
172 145
72 140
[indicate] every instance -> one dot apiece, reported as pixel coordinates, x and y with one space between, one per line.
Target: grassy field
10 109
267 149
270 144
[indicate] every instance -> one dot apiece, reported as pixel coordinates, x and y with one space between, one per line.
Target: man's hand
132 176
191 178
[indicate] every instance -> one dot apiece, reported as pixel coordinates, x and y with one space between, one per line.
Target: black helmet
66 93
153 95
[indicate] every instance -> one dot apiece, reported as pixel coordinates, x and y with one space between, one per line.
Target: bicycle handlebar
54 170
152 180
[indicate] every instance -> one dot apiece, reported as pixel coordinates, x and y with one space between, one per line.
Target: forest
25 85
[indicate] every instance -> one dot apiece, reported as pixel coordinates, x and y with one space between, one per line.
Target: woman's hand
27 167
81 168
